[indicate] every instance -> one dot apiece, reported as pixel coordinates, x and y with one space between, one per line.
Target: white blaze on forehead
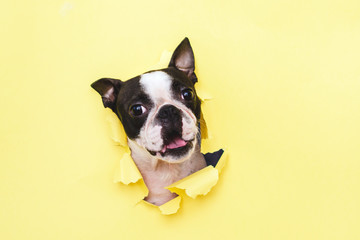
156 84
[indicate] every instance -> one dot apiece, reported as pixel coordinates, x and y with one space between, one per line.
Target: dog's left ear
109 89
183 59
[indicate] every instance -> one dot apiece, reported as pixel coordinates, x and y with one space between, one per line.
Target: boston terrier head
159 110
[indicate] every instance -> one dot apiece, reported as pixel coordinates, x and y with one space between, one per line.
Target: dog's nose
169 112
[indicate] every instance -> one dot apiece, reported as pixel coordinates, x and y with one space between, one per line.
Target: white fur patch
156 85
151 138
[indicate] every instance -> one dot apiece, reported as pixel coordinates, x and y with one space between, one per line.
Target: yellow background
285 81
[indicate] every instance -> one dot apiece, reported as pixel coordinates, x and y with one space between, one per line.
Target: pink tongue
177 143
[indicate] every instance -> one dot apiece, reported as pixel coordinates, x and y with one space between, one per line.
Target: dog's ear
183 59
109 89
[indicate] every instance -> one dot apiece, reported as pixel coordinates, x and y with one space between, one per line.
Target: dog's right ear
109 89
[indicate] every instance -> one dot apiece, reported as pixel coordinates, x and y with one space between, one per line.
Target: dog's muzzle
170 118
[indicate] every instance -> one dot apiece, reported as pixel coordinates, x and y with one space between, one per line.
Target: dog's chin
175 154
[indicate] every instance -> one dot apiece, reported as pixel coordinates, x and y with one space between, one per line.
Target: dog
160 112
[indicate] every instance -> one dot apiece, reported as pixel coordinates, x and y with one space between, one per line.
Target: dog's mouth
176 147
174 144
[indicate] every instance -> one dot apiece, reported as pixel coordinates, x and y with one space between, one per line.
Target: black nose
169 117
169 113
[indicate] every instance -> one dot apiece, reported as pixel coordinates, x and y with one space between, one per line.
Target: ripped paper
198 183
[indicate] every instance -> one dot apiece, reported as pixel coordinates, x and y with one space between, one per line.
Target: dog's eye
137 110
187 94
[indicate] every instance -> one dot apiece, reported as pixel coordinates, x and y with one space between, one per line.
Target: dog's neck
158 174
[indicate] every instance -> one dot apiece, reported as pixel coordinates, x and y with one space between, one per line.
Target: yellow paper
283 78
199 183
117 131
127 171
171 206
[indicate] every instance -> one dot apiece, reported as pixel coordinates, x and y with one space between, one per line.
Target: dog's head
159 110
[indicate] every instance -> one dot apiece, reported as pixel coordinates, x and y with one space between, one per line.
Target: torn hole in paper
198 183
